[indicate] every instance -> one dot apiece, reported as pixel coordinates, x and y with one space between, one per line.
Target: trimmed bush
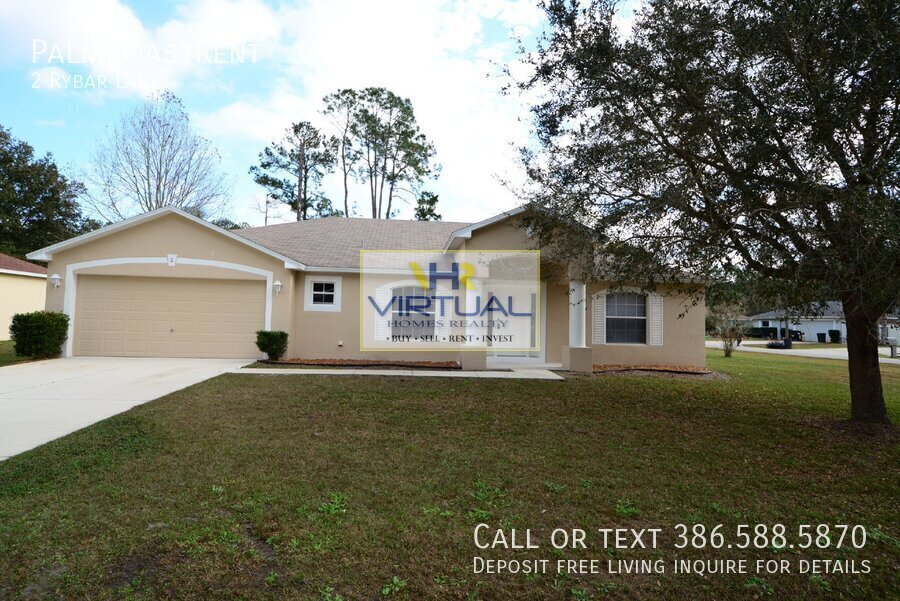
834 336
40 334
273 343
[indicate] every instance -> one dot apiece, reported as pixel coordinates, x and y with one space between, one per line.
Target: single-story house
829 317
22 289
168 284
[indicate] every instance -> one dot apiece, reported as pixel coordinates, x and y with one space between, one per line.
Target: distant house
23 287
830 317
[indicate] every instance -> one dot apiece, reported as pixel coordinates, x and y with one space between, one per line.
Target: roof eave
46 253
30 274
466 232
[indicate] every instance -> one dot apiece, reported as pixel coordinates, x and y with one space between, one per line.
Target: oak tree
758 135
38 204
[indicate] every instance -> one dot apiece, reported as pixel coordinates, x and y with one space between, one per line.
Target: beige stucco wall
683 342
499 236
172 234
683 336
316 334
19 294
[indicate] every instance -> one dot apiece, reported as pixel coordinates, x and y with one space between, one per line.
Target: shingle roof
830 309
336 241
14 264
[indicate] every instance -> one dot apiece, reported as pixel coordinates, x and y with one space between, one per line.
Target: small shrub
273 343
834 336
40 334
775 344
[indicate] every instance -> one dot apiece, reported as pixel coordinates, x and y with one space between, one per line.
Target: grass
312 487
819 345
8 355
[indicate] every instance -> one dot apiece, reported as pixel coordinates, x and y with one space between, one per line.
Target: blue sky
445 56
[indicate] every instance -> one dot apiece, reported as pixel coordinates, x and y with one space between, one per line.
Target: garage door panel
168 317
137 326
92 304
112 347
139 306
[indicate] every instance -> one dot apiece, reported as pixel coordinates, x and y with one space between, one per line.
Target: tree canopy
291 170
426 207
395 156
152 158
757 135
38 204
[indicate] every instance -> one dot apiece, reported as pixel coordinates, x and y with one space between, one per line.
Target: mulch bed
658 371
365 363
673 369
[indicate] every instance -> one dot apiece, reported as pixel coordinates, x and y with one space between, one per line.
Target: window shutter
655 321
598 306
382 324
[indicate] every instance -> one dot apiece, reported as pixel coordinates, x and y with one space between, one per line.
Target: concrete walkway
799 351
515 374
44 400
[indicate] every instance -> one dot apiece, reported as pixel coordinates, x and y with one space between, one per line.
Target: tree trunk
866 393
301 184
387 214
344 169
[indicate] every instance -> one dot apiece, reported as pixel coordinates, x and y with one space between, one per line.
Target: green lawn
8 355
310 487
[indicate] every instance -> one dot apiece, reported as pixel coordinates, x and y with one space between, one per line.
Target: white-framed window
415 324
627 317
322 293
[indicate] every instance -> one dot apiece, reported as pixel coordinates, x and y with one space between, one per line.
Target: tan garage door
167 317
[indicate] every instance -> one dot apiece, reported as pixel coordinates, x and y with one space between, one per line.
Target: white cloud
50 122
105 38
444 55
435 53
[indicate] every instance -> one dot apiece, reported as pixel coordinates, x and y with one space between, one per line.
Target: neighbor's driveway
799 351
44 400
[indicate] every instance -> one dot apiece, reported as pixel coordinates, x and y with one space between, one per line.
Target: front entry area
119 316
531 333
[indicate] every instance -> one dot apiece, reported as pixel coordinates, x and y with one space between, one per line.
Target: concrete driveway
44 400
799 351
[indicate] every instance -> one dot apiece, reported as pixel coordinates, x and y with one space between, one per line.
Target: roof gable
46 254
466 232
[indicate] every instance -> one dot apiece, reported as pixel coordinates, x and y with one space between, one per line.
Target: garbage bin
821 337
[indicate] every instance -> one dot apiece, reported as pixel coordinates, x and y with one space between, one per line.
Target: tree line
152 158
374 140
